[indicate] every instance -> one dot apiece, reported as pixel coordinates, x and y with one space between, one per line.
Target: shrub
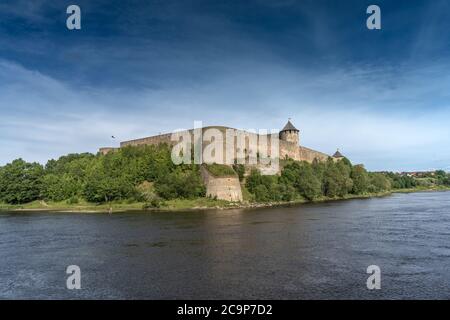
220 170
379 183
240 170
146 193
181 183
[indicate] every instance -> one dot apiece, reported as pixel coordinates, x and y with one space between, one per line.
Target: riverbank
169 205
189 204
186 204
422 189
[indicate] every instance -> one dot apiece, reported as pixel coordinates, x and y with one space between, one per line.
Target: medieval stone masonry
228 188
289 143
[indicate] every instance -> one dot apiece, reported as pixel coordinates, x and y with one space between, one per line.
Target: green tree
253 180
442 177
103 184
360 179
268 188
287 192
307 183
183 182
60 187
379 183
337 181
262 193
20 182
302 177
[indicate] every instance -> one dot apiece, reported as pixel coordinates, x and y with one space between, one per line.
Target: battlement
288 143
229 188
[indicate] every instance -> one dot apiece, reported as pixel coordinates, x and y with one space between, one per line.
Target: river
312 251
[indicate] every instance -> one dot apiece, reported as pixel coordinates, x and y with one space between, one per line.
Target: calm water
317 251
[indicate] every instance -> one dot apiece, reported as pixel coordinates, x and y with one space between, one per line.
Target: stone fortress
228 188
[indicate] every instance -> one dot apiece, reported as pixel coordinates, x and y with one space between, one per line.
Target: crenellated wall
309 155
229 188
299 153
154 140
290 136
287 147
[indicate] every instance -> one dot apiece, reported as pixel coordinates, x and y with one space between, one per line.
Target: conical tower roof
289 126
337 154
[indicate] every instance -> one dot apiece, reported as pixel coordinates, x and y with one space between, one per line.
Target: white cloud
43 118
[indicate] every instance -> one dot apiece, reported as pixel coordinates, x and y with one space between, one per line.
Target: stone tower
290 133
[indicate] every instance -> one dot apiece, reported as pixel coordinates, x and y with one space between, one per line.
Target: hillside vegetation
146 177
220 170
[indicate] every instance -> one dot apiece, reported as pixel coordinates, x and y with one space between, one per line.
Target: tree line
312 181
132 173
147 174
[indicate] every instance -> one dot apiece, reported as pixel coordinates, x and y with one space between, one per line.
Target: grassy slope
170 205
220 170
177 204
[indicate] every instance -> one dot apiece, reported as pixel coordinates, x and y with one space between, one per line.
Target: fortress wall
293 151
247 149
229 188
163 138
223 188
290 136
309 155
290 150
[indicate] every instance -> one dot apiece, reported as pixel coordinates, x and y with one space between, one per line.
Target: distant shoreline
188 205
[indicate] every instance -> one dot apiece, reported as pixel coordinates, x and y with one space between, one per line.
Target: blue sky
137 68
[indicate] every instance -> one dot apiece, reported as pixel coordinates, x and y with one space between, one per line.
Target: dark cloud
246 63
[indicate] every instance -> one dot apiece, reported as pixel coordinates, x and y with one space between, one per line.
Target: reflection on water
317 251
